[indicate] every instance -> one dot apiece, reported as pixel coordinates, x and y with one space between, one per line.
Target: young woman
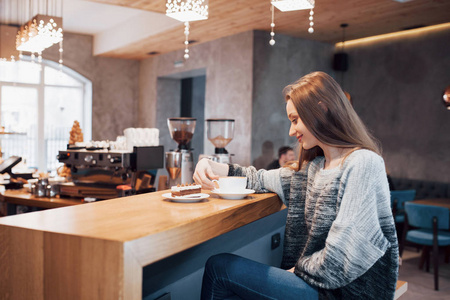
340 240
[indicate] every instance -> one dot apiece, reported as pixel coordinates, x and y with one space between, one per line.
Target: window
38 105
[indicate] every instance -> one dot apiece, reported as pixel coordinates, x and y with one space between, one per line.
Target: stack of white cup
141 137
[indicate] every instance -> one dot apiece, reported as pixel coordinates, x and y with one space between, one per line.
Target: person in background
266 156
340 240
285 154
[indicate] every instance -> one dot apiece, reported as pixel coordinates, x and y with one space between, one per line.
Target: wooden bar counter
98 250
21 197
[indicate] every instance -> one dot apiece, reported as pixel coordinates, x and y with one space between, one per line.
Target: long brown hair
328 115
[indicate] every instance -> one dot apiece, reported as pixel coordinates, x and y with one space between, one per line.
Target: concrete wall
114 85
274 67
396 86
228 64
198 112
167 106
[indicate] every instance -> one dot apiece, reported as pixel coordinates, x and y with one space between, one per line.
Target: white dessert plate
186 199
233 195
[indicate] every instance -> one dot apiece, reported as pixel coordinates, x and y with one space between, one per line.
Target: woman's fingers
211 175
206 182
200 176
197 179
204 174
208 186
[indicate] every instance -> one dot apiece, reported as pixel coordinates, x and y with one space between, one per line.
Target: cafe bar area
212 149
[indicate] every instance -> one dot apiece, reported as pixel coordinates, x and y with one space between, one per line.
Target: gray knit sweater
340 234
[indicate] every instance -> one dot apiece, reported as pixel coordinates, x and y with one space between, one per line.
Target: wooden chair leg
3 209
402 240
436 266
436 253
423 257
162 183
447 254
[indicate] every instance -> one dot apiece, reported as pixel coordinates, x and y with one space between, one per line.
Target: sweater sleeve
355 241
263 181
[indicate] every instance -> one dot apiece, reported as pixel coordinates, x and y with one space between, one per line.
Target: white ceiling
112 26
88 17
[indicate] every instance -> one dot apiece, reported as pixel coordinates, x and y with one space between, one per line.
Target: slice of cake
185 189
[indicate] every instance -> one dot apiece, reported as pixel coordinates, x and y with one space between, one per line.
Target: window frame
86 87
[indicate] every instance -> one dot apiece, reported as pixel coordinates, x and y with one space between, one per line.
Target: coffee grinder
180 163
220 132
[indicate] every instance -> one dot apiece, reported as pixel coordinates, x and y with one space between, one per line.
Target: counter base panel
181 274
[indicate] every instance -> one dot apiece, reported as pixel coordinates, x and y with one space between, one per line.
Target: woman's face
298 129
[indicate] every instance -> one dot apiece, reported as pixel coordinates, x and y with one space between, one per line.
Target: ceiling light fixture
291 5
340 59
41 31
272 25
187 11
446 97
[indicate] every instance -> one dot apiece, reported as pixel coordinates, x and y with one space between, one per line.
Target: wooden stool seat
400 289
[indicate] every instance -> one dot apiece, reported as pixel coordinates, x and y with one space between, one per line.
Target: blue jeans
231 276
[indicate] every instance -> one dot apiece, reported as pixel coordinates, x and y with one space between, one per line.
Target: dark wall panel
275 67
396 87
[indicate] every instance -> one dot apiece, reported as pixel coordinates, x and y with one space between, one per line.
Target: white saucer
233 195
186 199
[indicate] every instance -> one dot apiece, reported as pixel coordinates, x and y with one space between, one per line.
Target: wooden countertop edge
43 202
177 239
154 246
22 197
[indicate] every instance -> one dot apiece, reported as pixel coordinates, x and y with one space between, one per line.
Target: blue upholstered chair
432 224
398 199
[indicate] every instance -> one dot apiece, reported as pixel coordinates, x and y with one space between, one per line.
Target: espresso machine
102 173
220 132
179 162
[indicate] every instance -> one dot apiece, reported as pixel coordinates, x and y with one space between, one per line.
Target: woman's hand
291 270
204 174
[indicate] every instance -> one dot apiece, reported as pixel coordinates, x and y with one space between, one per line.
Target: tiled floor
421 283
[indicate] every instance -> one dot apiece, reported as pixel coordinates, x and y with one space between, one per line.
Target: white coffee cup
231 184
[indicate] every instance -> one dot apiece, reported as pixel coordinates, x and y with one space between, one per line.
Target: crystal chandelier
187 11
39 34
290 5
41 31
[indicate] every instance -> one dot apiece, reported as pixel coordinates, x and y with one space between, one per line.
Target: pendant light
187 11
291 5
